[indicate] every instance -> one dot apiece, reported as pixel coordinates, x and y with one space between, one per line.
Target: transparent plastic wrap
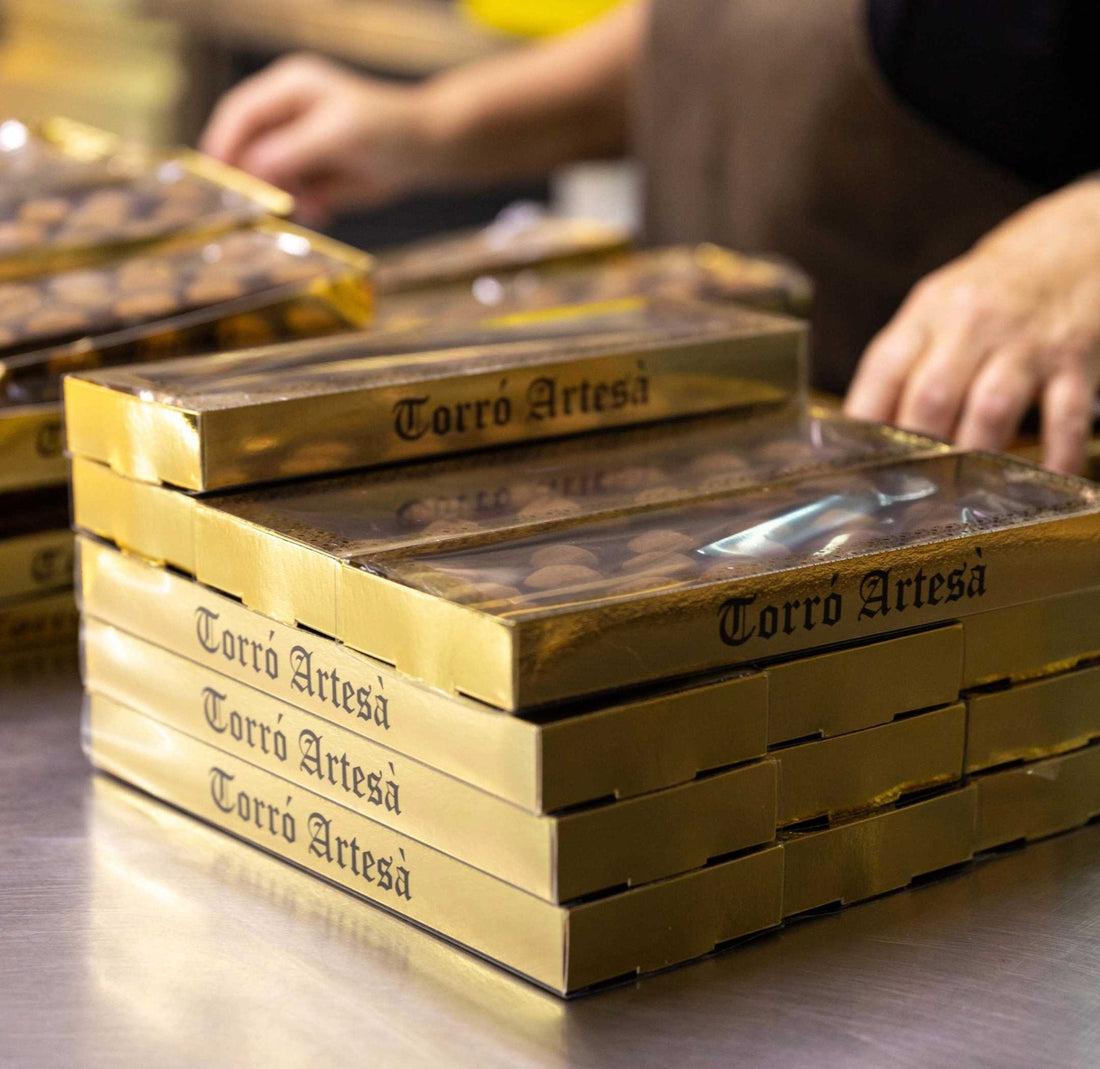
731 580
690 272
236 541
270 283
322 407
37 159
806 524
98 195
517 238
563 482
238 378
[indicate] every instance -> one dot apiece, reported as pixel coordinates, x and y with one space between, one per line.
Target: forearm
536 107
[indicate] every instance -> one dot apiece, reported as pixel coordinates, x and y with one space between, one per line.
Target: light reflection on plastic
488 290
13 135
294 244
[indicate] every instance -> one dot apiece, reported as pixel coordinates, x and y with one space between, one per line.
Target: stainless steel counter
133 936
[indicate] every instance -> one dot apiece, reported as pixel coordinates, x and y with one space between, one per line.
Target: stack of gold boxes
523 262
1032 718
111 254
36 563
588 704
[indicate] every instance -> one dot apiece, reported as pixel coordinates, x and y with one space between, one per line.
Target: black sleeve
1016 80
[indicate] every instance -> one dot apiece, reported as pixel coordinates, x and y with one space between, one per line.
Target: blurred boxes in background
123 70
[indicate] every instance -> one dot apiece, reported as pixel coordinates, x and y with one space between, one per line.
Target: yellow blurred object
536 19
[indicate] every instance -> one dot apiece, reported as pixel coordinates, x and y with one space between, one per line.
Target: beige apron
765 125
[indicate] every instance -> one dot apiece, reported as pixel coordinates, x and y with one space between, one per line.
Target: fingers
1068 404
313 207
884 369
997 400
291 155
933 396
268 100
918 370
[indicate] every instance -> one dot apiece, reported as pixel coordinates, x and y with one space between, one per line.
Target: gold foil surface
733 580
1033 719
860 686
38 620
871 768
1037 799
563 947
32 447
70 195
618 749
556 857
269 283
322 407
36 546
871 855
1035 639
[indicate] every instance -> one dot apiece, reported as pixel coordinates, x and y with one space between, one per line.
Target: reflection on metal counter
134 935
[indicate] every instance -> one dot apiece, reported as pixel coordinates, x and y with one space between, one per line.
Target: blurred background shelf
406 37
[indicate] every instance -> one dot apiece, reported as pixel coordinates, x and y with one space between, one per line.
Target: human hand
332 138
1014 320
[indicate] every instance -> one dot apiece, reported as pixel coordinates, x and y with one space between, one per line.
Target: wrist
446 123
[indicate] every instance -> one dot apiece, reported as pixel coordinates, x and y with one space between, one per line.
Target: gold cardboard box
1034 719
871 855
31 664
270 282
475 618
564 948
148 859
554 857
38 621
870 768
1038 799
1033 639
152 521
733 580
78 195
35 563
36 545
509 243
317 407
694 272
31 159
236 541
32 443
862 686
620 749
